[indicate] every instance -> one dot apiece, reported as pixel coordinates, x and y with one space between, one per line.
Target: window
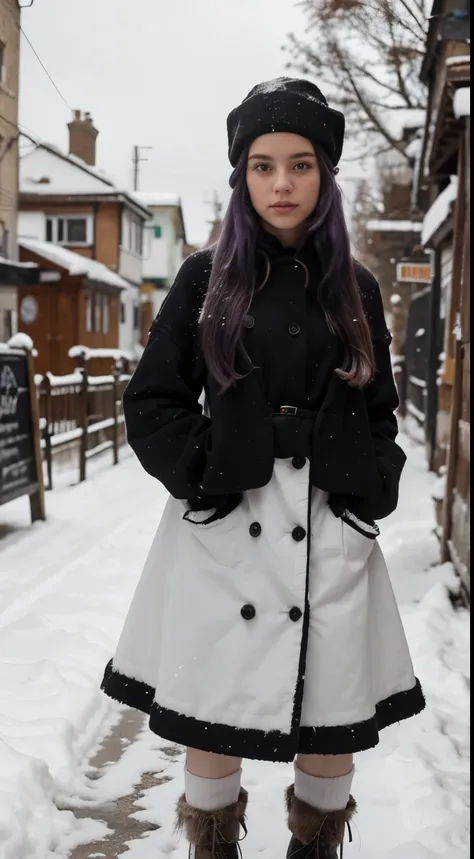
97 313
69 229
105 314
157 232
88 312
7 325
138 246
133 233
76 229
123 313
135 316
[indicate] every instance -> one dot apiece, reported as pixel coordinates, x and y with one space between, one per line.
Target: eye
303 165
263 168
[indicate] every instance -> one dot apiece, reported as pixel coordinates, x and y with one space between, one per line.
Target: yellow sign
414 272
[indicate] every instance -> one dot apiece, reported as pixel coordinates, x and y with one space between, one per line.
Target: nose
282 181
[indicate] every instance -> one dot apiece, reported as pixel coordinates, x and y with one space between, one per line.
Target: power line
22 129
45 69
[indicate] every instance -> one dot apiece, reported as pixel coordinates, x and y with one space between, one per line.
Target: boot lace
218 840
319 844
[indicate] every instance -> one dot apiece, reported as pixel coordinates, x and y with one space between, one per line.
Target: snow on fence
81 412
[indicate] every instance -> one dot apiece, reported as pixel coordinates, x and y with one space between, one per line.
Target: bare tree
366 56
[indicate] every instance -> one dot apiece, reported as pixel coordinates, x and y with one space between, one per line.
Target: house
164 249
11 273
443 170
75 301
66 200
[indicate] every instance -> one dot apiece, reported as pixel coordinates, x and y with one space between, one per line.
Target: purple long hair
233 281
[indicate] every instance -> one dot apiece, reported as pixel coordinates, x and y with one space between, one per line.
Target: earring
335 171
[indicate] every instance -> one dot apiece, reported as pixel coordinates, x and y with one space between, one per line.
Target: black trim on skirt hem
254 744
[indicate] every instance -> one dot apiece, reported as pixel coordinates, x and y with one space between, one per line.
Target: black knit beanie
286 104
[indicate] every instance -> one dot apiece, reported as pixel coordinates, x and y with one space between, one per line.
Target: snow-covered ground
65 586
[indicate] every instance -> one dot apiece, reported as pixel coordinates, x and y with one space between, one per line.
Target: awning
14 273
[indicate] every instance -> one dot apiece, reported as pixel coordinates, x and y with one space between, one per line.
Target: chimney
82 137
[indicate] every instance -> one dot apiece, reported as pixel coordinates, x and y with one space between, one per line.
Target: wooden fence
82 413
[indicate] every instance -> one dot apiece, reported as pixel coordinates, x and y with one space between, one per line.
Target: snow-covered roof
462 102
405 119
458 61
438 213
47 171
156 198
394 226
74 263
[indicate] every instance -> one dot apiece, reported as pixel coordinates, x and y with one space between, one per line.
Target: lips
284 207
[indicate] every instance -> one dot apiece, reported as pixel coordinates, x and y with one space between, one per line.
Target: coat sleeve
382 401
165 424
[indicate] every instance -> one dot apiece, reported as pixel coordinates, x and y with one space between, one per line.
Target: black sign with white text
18 475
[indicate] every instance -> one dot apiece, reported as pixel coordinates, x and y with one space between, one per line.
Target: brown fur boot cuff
307 823
203 827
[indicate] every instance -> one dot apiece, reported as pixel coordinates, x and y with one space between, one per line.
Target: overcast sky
153 73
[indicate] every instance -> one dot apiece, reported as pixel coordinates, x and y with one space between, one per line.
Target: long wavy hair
234 272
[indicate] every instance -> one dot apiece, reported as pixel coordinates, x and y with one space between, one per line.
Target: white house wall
128 334
155 251
32 225
130 266
162 256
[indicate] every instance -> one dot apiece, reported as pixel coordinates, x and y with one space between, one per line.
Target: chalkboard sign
20 458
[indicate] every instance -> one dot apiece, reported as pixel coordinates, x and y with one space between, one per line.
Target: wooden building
67 200
444 171
75 301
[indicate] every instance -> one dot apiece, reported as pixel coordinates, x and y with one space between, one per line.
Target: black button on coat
298 534
248 612
354 454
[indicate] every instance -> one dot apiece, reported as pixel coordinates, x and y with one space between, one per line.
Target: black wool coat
352 447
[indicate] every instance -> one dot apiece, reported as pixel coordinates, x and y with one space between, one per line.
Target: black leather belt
292 431
295 411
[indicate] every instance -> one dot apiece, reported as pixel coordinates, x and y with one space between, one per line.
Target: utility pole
136 161
216 208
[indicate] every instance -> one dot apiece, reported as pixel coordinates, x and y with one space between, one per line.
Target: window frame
57 227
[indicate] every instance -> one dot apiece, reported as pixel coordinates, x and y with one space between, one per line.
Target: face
284 181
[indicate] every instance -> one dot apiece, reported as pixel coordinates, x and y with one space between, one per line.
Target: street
81 777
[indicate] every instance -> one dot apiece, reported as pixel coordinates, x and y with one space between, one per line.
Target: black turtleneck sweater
285 332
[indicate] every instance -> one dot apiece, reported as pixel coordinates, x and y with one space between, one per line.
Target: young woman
264 625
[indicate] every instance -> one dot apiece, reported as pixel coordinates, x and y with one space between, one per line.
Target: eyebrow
292 157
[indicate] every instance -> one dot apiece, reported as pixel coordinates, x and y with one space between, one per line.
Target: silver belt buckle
288 410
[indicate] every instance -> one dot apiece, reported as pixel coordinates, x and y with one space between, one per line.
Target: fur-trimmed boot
316 834
213 834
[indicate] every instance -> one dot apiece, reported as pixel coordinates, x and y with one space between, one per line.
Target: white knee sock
211 794
325 794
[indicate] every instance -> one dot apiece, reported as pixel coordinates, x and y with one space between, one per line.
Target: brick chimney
82 137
